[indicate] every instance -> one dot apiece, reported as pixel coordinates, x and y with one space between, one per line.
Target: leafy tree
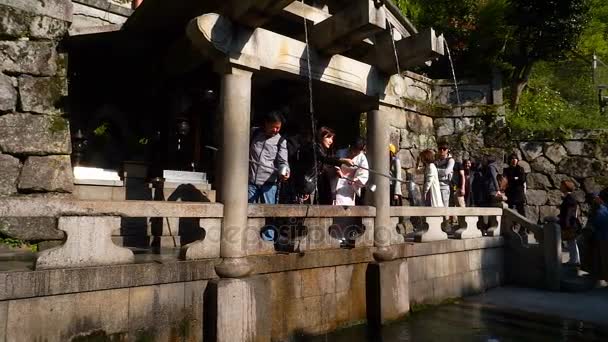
541 30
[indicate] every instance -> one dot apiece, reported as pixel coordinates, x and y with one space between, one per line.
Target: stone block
329 311
525 165
31 228
575 148
34 134
580 167
8 94
285 285
536 197
543 165
421 292
591 185
41 94
554 197
344 303
238 310
407 159
473 282
28 57
66 317
464 125
558 178
88 244
389 291
417 269
99 193
153 307
474 257
420 124
344 277
193 308
9 173
531 150
444 127
52 173
532 213
318 281
547 211
3 319
13 22
555 152
538 181
42 27
447 287
58 9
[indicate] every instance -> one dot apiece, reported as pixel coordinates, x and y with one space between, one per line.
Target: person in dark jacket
493 187
568 220
516 186
310 169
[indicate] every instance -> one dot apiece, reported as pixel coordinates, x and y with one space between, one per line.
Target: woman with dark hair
310 172
431 190
568 220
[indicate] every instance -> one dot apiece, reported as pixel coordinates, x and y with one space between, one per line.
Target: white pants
572 248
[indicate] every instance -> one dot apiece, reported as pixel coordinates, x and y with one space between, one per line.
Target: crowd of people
297 170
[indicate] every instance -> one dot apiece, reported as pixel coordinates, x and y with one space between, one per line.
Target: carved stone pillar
378 139
236 109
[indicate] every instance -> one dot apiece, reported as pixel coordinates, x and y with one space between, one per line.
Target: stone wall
477 127
34 133
302 295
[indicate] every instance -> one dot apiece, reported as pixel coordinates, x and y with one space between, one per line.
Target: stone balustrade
434 218
270 228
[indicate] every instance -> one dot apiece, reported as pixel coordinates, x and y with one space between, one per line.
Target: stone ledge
106 5
45 207
415 249
451 211
58 9
17 285
287 210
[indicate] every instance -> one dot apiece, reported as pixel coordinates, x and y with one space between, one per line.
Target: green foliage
595 36
17 243
102 130
560 98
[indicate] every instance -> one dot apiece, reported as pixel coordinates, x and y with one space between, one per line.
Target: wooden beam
340 32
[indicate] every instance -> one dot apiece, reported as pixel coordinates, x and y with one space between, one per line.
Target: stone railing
534 262
270 229
469 220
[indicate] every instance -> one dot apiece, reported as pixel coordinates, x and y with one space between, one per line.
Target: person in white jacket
350 179
431 190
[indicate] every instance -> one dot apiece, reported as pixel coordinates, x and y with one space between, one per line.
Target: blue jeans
267 193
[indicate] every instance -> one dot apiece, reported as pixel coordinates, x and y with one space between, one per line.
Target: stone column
236 109
378 139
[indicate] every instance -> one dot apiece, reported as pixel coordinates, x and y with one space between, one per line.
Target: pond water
462 322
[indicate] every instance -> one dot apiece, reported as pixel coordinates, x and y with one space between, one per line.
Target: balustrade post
433 231
88 243
468 228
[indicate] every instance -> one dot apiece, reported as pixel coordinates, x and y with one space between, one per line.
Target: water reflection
462 322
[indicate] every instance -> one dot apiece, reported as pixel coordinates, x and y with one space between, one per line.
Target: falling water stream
445 43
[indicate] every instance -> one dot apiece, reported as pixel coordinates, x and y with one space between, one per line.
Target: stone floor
590 306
